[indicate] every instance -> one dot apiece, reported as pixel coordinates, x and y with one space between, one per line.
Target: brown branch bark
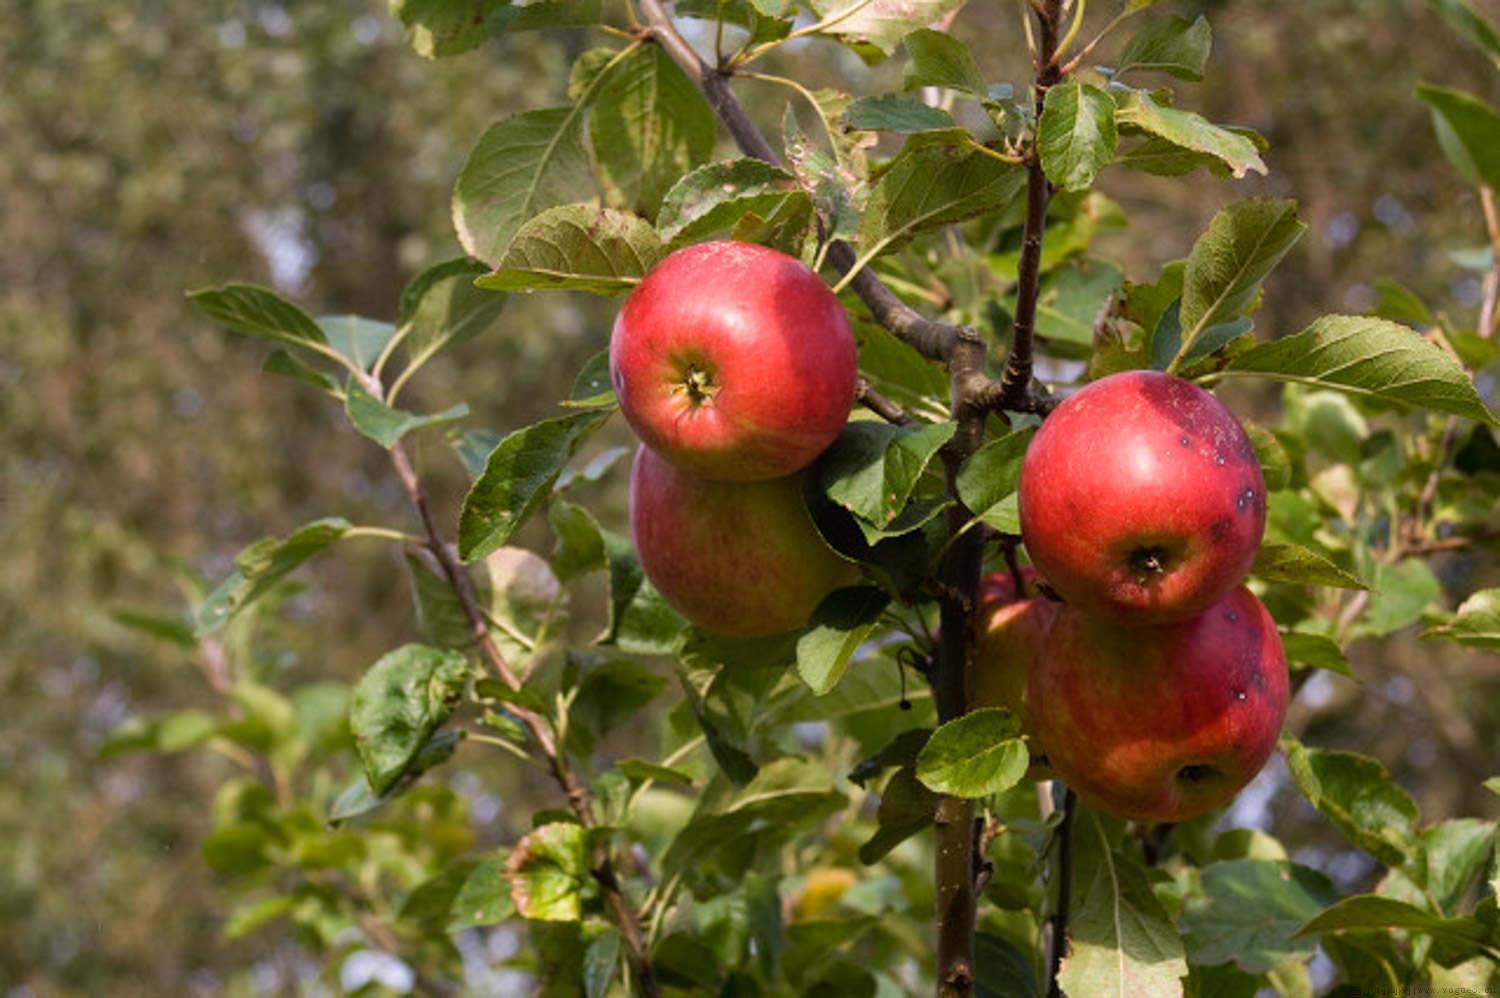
1015 382
879 404
1064 894
625 917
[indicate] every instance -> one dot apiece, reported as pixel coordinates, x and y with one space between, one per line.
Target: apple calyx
698 385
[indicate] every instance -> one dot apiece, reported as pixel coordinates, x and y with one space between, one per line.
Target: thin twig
879 404
1064 894
1488 311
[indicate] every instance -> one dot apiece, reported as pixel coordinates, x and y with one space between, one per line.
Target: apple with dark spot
1141 499
737 558
734 361
1164 722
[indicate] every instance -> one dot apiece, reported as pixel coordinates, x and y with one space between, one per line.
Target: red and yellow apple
738 558
1160 723
1008 636
1142 499
734 361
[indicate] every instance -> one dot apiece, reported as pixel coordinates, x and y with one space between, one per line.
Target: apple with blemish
738 558
1141 499
1160 723
734 361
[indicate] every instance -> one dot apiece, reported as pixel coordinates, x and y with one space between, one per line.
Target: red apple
737 558
734 361
1141 499
1008 636
1160 723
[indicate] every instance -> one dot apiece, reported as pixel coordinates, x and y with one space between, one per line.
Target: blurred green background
151 147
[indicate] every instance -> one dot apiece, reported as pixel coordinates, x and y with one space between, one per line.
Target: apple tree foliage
781 837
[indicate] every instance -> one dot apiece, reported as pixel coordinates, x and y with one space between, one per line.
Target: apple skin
734 361
1008 636
1142 499
1160 723
742 559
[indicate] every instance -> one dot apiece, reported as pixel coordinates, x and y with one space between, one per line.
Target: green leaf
1140 110
649 125
1003 970
175 630
1402 594
441 306
398 704
238 850
521 166
878 24
1468 130
1162 158
1229 261
1249 912
940 60
1468 22
469 893
840 624
1367 357
599 963
1077 134
1373 911
1298 565
358 339
614 693
1070 299
1316 650
640 619
733 761
440 616
546 14
1475 625
547 871
978 754
285 364
641 770
257 311
873 467
245 919
386 425
1275 462
263 564
906 808
895 113
993 471
715 197
1357 794
580 540
1172 45
439 28
1455 853
516 477
578 247
1121 944
936 179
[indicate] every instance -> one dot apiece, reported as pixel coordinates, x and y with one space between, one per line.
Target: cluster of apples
1157 686
735 365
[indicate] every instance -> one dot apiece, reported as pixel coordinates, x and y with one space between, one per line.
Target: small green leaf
578 247
1468 130
1275 462
1455 853
439 28
649 125
1298 565
640 620
641 770
840 624
599 962
355 338
1357 794
1475 625
440 614
469 893
940 60
906 808
516 477
1403 592
580 540
1172 45
976 755
1315 650
936 179
176 630
513 19
257 311
288 366
245 919
386 425
1077 134
547 871
733 761
1121 944
1373 911
1140 111
1468 22
1229 262
878 24
895 113
398 704
993 471
873 467
263 564
714 197
1249 912
1371 358
520 166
